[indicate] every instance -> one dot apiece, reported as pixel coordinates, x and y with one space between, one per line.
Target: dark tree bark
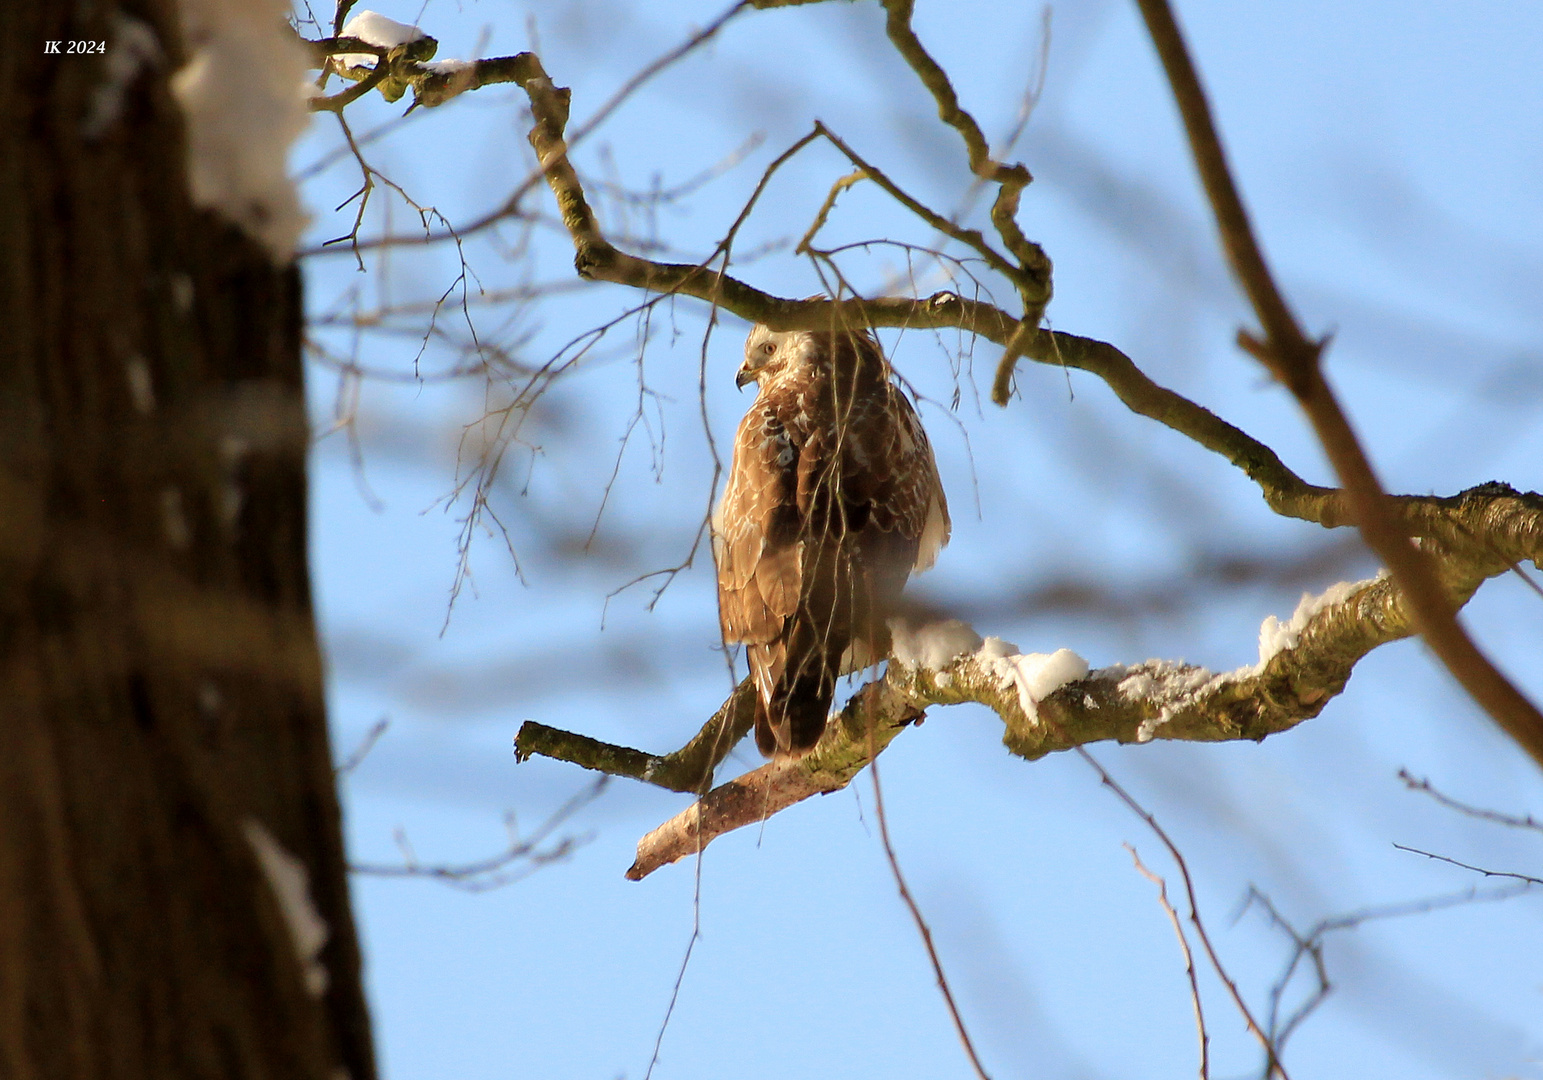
160 681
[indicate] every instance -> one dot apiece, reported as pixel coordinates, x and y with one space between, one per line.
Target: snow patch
1034 675
374 29
1274 635
1161 682
243 95
174 522
141 385
994 648
291 887
134 49
447 67
933 646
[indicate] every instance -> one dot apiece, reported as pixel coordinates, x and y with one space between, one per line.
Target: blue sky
1392 156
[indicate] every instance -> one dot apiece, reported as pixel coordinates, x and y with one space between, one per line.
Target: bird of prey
832 501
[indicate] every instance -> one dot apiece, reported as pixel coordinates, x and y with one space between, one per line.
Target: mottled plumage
833 499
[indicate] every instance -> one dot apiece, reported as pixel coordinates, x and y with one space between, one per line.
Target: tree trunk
161 701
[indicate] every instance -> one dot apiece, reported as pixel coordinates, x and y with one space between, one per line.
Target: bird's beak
745 376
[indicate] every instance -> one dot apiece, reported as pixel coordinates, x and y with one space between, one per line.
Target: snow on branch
1303 662
375 29
382 54
1047 702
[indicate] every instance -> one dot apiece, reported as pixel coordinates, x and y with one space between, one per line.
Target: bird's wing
755 531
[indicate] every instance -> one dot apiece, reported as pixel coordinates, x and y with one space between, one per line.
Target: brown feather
833 499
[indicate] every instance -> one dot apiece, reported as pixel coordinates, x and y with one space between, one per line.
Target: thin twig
361 751
1194 911
489 873
970 237
1189 959
1527 822
722 741
921 923
1311 944
1476 869
1032 274
522 68
680 976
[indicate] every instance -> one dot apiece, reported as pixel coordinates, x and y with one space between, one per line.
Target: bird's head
768 353
771 355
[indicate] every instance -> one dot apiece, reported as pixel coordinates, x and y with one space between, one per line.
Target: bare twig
689 769
628 88
1311 944
1194 912
362 751
971 237
1526 822
921 923
596 258
432 88
680 976
1476 869
1032 274
1189 960
492 872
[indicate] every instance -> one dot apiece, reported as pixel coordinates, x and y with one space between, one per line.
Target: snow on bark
375 29
1035 676
1275 636
133 49
291 886
447 67
1167 685
939 647
243 92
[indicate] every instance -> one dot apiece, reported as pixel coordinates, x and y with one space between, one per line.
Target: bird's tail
790 719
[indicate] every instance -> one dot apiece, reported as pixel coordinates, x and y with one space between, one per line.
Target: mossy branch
408 67
689 769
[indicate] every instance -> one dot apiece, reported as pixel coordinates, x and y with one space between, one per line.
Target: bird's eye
769 348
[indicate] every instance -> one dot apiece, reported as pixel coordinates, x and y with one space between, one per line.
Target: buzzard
833 499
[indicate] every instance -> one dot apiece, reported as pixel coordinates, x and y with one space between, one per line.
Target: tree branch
1033 274
1308 662
1294 359
689 769
871 720
410 66
597 259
